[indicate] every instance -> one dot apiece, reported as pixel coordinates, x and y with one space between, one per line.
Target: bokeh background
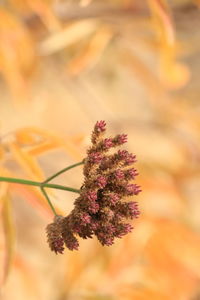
64 64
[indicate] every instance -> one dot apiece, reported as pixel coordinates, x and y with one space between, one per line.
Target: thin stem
48 200
39 184
62 171
20 181
60 187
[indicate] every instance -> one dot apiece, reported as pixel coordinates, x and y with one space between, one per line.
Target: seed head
100 209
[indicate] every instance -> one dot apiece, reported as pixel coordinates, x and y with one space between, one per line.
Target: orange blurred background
64 65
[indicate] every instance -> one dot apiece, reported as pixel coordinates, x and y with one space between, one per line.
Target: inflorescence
100 208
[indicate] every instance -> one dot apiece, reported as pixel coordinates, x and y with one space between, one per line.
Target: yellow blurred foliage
70 63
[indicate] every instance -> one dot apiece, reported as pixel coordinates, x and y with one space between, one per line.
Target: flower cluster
100 209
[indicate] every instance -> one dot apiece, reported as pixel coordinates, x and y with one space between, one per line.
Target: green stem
20 181
39 184
48 200
62 171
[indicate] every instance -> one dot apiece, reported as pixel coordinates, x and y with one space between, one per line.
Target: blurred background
64 64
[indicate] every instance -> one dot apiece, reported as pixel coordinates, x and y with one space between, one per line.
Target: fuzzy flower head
102 208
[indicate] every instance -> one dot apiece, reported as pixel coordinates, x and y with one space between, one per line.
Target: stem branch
41 186
48 200
62 171
45 184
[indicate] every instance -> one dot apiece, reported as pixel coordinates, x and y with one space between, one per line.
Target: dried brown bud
54 235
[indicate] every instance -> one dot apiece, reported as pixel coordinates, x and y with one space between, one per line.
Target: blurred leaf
68 36
26 136
16 53
9 234
92 52
53 141
3 192
85 2
44 147
40 140
27 162
43 9
162 15
174 75
2 152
